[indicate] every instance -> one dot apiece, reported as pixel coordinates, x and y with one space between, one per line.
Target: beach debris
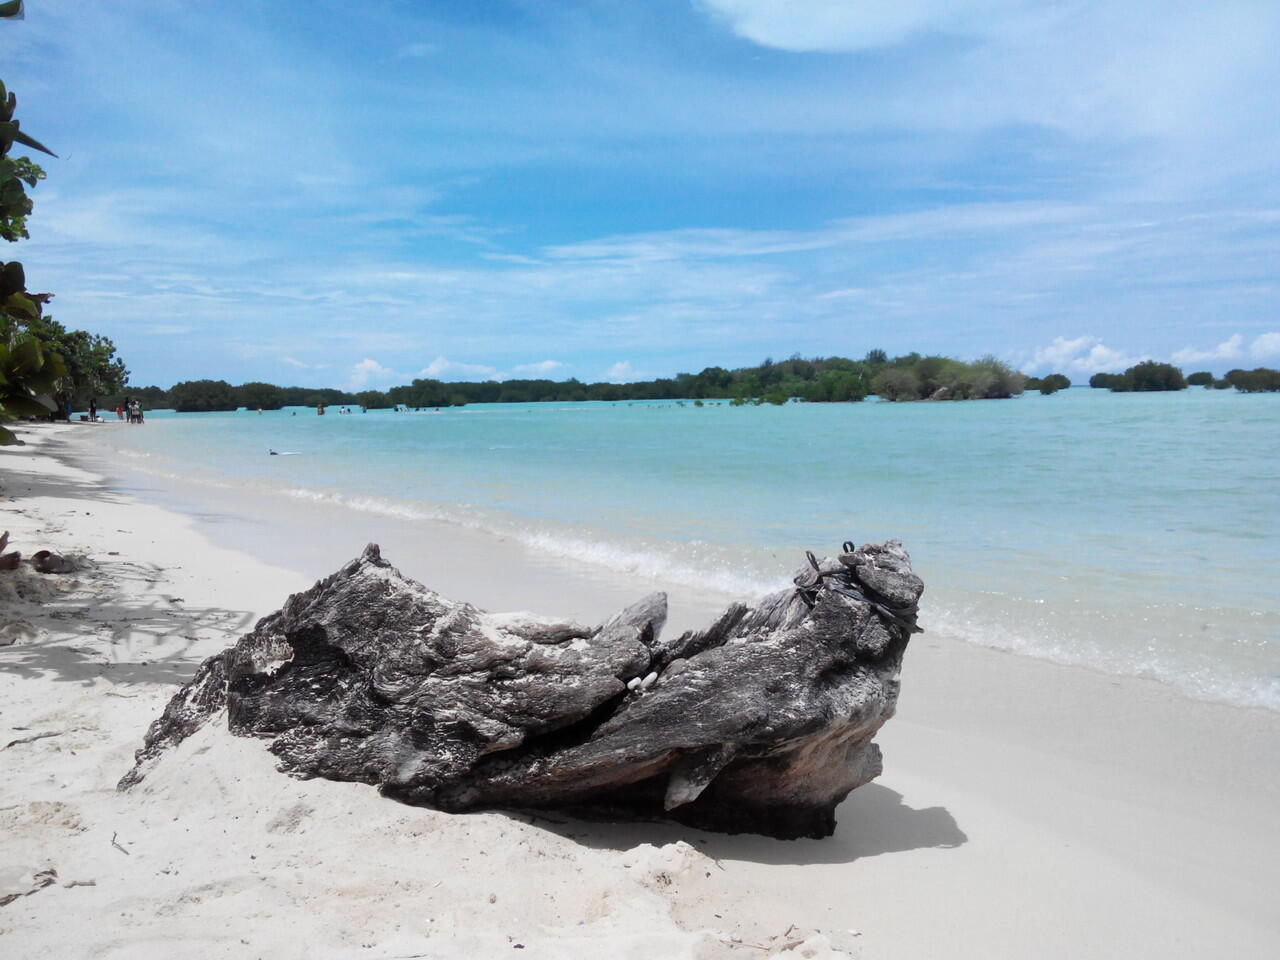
762 722
43 561
33 738
117 846
8 561
36 883
46 561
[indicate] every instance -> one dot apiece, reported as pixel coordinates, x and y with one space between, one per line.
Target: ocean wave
693 564
670 563
1200 676
986 620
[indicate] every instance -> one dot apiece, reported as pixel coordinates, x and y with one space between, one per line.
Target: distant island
1149 375
908 377
817 380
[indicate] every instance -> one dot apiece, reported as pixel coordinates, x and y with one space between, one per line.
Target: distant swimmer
273 453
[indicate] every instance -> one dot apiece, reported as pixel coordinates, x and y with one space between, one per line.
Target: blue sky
357 194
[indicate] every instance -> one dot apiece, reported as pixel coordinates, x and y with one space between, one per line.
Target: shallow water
1136 533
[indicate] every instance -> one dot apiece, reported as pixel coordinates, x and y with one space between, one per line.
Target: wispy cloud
623 372
837 25
302 365
543 368
371 374
442 368
1266 346
1087 355
1230 349
962 177
1080 356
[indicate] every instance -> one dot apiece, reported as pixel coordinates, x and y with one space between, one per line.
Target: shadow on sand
144 636
873 821
17 485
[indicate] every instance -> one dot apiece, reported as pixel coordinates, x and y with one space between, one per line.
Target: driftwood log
763 722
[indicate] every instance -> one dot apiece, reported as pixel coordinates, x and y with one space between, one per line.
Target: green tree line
45 369
1152 376
819 380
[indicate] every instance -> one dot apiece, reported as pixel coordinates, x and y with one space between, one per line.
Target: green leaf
34 144
42 382
18 305
24 407
12 279
8 439
26 359
54 364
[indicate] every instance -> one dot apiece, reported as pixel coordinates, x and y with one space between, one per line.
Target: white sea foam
1198 674
675 563
691 564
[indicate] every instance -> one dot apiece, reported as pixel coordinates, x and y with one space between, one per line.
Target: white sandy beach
1026 809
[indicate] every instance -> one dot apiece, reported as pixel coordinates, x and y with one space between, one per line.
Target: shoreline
1027 808
1071 552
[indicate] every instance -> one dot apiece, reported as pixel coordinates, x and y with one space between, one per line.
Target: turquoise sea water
1135 533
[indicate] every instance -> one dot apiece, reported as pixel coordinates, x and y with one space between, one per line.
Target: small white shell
649 681
633 683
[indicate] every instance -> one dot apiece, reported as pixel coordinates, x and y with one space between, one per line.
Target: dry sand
1027 809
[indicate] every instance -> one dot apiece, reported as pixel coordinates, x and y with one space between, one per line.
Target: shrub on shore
1050 384
818 380
1145 377
1202 378
1258 380
897 384
942 378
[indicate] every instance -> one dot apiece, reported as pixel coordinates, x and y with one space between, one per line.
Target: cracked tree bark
763 722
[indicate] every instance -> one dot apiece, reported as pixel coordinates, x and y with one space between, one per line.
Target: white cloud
1089 355
442 368
369 373
958 220
831 25
1265 345
621 372
1081 355
542 368
294 362
1230 349
1094 69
